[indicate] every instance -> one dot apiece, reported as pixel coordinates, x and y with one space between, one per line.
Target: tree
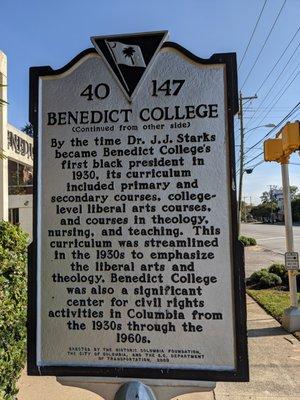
28 129
296 210
245 211
264 210
265 197
293 190
270 196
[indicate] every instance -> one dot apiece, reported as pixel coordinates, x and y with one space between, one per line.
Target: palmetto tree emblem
129 52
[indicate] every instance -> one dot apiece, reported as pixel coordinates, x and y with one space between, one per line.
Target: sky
36 32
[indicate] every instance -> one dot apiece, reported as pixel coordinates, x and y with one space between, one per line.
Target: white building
16 166
278 195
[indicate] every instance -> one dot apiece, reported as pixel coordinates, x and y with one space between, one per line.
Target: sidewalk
274 357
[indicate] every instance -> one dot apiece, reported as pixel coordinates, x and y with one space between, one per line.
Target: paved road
271 237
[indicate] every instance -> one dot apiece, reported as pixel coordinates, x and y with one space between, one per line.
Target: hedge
247 241
13 300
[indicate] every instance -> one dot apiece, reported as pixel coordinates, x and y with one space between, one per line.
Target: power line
264 44
253 148
276 80
294 109
251 37
241 105
265 108
280 57
277 126
254 166
268 112
262 161
259 163
254 158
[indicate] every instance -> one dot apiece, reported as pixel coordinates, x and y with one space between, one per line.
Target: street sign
135 269
291 260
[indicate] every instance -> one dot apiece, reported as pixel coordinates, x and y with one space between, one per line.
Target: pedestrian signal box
281 148
291 137
273 150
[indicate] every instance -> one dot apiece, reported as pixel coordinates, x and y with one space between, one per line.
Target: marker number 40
169 87
100 91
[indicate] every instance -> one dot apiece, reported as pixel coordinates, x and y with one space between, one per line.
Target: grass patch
271 300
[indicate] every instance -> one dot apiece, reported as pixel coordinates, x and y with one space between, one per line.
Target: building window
20 178
13 216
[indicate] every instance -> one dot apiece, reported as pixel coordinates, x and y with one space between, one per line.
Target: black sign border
241 373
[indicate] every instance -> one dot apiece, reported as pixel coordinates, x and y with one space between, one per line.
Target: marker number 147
169 87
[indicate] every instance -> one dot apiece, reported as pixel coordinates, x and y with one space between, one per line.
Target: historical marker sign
135 268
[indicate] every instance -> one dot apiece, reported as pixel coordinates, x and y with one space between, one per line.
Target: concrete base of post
135 390
291 319
145 389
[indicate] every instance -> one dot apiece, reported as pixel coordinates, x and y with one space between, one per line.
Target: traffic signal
281 148
291 137
273 150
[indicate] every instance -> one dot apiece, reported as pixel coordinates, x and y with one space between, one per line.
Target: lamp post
242 166
261 126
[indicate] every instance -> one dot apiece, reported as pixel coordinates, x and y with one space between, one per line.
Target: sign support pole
135 390
147 389
291 317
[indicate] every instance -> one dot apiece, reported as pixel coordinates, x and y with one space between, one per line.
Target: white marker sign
136 270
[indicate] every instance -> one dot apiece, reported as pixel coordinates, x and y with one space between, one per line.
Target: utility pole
245 210
241 117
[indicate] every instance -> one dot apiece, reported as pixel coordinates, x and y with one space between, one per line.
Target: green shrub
13 298
252 241
278 269
264 279
256 276
247 241
269 280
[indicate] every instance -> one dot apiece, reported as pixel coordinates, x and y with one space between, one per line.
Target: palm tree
129 52
28 128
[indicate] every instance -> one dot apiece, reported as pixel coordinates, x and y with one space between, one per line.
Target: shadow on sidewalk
274 331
